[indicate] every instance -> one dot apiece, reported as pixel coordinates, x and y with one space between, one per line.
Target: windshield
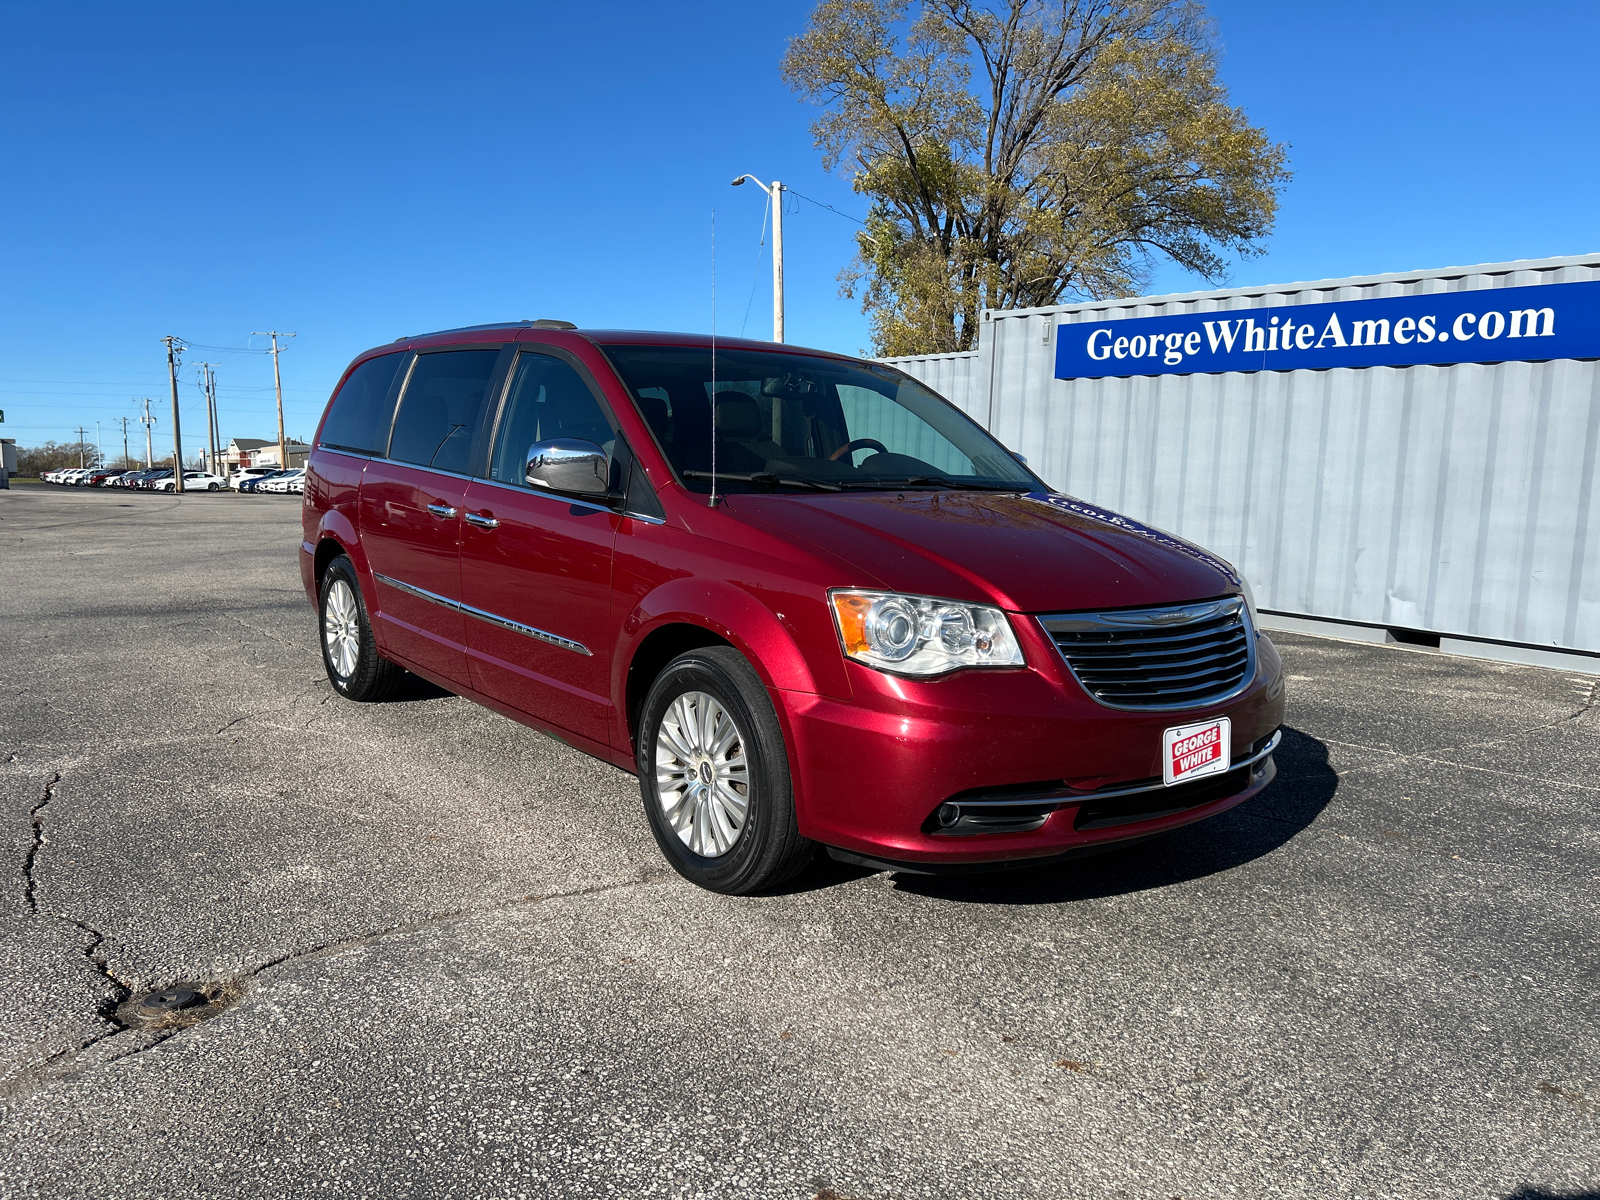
796 421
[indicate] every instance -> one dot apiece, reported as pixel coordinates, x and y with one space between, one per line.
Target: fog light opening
948 815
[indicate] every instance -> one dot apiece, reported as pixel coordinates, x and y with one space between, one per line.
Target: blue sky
354 173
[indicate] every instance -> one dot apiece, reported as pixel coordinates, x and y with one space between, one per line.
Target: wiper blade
769 478
943 481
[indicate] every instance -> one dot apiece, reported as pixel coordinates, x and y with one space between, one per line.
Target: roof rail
541 323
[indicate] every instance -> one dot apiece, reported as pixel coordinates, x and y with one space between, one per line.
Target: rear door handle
482 520
442 510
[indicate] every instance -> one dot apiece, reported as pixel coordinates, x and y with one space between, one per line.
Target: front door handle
482 520
442 510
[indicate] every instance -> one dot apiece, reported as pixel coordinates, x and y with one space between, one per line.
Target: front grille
1177 656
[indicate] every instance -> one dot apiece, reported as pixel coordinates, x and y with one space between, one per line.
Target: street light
775 194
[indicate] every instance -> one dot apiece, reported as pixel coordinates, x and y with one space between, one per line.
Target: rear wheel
349 652
714 774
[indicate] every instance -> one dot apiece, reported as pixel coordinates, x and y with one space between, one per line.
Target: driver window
547 400
898 431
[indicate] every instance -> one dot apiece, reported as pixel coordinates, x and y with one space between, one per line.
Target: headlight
1249 598
918 635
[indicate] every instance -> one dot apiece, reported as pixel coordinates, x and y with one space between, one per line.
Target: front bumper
1051 771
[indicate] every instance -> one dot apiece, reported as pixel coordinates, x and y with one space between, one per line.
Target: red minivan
807 601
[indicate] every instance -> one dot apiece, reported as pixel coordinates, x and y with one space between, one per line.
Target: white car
289 481
195 481
75 476
243 474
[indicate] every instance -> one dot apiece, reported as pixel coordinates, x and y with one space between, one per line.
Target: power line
829 207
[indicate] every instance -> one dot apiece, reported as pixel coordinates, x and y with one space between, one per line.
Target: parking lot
451 962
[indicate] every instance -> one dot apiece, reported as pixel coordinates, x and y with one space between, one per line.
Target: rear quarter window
359 415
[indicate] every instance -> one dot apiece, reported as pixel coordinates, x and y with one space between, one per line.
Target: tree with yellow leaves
1020 153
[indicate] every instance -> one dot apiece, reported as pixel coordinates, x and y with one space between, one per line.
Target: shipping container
1453 500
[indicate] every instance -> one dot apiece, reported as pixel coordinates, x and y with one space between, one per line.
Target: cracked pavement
467 972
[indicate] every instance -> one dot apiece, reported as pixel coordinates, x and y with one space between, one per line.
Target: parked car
804 599
193 481
100 476
133 478
74 475
248 474
255 484
285 481
151 478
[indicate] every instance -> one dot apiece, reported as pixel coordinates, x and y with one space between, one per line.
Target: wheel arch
328 548
651 656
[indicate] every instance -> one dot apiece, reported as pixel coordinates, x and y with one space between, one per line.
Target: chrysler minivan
808 602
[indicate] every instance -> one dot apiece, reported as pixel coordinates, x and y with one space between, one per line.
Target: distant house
261 452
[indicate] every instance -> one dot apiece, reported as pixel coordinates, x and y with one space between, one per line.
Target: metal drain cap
158 1004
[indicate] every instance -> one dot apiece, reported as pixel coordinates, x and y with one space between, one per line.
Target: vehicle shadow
413 688
1539 1193
1305 786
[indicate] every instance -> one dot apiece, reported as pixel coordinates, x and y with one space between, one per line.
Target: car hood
1041 552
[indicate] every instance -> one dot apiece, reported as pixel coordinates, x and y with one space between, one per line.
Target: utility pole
125 460
82 432
277 380
206 381
175 347
148 420
216 423
775 194
99 446
216 420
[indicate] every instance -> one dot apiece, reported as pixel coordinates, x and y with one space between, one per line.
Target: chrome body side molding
538 635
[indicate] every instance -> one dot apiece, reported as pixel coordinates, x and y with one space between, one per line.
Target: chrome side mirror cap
569 465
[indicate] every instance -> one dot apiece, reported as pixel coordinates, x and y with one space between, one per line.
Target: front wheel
349 652
714 774
211 487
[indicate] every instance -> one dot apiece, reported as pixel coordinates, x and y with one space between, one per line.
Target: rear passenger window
442 408
358 419
548 400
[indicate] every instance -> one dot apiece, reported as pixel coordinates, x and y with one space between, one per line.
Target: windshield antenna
713 501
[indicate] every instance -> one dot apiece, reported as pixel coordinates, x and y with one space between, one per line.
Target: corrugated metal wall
957 377
1458 500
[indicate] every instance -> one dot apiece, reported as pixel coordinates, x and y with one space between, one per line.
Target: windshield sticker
1079 508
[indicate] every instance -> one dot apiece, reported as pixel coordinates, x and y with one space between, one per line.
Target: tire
211 487
349 653
699 828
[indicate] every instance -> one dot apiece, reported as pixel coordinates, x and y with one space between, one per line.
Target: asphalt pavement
449 961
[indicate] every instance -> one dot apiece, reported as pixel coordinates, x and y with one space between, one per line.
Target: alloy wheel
702 774
341 628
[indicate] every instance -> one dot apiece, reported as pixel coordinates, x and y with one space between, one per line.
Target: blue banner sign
1556 320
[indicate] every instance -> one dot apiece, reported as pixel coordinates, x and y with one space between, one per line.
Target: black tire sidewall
360 685
724 674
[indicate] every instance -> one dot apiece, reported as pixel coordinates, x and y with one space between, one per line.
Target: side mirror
569 465
1021 458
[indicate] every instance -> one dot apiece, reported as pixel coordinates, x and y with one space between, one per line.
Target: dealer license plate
1195 751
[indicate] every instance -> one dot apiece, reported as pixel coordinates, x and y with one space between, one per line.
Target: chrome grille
1176 656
